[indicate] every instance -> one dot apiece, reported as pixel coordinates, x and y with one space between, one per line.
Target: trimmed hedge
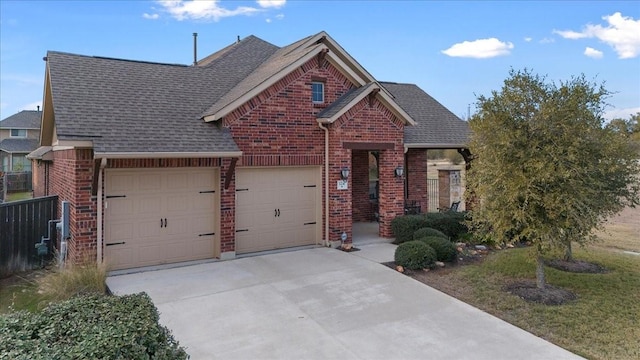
452 224
445 250
424 232
89 327
414 255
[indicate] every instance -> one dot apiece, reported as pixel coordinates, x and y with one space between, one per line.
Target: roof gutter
436 146
166 155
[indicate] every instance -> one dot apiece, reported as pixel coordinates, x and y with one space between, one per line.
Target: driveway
322 304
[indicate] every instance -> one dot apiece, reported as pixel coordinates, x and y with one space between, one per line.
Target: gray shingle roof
276 62
18 145
25 119
436 125
135 106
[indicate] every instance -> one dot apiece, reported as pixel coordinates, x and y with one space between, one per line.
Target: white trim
337 62
69 144
103 164
167 155
348 106
263 86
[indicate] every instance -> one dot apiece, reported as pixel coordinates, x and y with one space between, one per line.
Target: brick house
252 148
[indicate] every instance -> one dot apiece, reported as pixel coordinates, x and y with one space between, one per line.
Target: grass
602 324
19 196
34 290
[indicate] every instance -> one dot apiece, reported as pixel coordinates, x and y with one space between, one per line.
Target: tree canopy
546 168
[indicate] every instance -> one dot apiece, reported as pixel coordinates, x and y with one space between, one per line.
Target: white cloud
203 10
280 16
593 53
528 39
621 113
268 21
150 16
276 4
479 49
622 33
32 106
547 41
569 34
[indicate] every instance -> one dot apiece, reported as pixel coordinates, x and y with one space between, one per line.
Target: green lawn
18 196
603 323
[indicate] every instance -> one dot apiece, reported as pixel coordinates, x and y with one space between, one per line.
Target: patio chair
454 207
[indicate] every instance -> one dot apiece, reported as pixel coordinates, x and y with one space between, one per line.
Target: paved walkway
323 303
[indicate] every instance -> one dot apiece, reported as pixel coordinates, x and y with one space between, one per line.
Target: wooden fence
22 225
18 181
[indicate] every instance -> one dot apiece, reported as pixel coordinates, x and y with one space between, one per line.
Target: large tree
546 169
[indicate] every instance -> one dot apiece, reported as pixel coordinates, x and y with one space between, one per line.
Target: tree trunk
540 280
568 253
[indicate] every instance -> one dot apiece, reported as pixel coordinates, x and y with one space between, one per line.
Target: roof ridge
228 50
50 52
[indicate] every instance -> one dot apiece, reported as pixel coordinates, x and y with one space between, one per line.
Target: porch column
391 197
417 178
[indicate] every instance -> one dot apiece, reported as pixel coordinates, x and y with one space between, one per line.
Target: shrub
89 327
452 224
415 255
445 250
424 232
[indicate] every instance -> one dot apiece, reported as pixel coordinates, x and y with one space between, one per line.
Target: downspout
103 164
326 184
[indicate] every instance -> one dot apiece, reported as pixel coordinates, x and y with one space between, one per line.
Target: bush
451 223
89 327
424 232
415 255
445 250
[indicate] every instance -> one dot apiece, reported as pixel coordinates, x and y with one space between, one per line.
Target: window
19 133
317 92
20 163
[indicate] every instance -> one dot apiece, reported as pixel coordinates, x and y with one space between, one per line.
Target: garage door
158 216
277 208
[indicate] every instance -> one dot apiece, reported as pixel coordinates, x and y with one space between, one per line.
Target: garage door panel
275 206
152 195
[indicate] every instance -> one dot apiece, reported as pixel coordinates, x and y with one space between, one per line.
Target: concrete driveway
322 304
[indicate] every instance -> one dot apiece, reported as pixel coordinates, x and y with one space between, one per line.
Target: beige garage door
158 216
277 208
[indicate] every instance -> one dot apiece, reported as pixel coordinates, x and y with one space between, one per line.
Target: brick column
391 189
444 187
417 177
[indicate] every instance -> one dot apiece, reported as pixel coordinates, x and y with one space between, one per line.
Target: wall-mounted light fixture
399 171
344 173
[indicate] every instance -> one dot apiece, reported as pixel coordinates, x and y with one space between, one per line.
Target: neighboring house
255 147
19 134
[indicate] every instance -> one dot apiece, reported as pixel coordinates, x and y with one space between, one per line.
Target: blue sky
454 50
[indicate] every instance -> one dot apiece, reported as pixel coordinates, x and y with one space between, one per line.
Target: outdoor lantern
344 173
399 171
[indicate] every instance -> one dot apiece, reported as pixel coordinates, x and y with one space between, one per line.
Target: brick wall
366 122
71 179
416 172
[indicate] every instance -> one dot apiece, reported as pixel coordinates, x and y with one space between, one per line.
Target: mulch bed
576 266
549 295
351 249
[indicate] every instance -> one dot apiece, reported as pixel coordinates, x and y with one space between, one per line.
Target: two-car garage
167 215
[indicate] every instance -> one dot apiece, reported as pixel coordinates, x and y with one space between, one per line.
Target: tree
629 128
546 170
